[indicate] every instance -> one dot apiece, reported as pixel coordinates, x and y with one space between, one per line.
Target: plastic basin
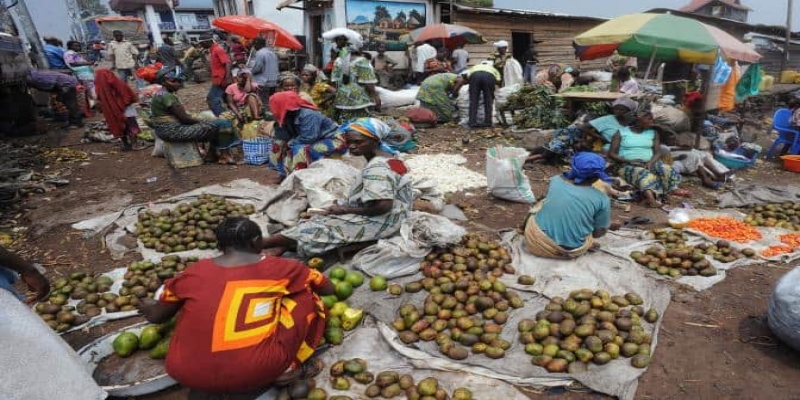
101 348
791 163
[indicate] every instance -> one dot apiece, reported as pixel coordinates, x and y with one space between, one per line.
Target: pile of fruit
387 384
143 278
188 226
152 338
589 326
785 215
776 250
341 317
93 293
726 228
677 258
467 305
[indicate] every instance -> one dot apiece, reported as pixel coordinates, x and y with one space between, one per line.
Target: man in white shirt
460 59
122 54
424 52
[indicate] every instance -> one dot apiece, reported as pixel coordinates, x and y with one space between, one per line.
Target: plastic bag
783 312
158 148
722 71
504 174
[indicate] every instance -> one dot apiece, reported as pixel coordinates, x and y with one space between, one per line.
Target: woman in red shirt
247 320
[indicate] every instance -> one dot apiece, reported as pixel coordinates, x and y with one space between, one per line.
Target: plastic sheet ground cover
122 223
368 344
596 270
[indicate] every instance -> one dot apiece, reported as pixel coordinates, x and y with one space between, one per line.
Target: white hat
500 44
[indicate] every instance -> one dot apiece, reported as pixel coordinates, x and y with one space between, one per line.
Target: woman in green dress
378 201
435 94
171 122
355 82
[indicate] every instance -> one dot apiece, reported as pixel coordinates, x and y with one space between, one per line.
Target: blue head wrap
372 128
586 166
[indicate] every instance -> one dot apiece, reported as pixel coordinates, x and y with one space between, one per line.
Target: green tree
381 12
414 14
89 8
401 16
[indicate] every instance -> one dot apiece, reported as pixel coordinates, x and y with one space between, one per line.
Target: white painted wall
288 18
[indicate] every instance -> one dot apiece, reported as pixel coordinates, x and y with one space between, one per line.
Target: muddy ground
714 344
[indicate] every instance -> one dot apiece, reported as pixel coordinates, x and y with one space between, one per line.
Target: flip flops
637 221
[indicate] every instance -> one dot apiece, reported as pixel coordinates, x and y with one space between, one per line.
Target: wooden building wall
556 35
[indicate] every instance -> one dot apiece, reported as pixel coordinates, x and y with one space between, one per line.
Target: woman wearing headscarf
574 213
315 85
116 101
637 151
595 135
355 82
435 94
378 201
302 134
172 123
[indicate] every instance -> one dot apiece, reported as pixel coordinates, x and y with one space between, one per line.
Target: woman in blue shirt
636 150
302 134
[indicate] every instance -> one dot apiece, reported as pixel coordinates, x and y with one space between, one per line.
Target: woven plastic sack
783 312
504 174
256 150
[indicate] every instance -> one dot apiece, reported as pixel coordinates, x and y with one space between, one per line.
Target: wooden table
589 97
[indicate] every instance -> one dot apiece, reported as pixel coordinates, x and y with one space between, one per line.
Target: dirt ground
714 344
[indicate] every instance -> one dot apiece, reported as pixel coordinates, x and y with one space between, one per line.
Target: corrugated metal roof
510 11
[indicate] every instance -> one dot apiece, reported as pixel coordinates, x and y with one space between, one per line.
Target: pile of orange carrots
725 228
792 239
777 250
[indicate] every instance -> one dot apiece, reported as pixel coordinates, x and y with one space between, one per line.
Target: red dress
240 328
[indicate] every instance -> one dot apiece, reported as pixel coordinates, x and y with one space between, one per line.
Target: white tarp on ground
119 224
597 270
746 195
367 343
623 242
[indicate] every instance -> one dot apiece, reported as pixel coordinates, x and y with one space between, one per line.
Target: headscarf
319 75
114 96
372 128
282 102
500 44
175 72
586 166
626 102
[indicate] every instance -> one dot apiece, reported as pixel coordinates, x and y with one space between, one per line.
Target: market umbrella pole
650 64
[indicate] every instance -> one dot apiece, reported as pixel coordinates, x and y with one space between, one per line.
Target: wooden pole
650 64
785 60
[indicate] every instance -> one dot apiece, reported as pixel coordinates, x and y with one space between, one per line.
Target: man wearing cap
482 80
220 74
122 55
574 213
500 57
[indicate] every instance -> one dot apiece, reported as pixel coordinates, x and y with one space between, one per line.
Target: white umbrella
352 36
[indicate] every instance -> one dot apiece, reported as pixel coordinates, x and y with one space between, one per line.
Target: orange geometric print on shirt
248 313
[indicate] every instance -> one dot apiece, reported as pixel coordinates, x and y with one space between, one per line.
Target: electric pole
788 43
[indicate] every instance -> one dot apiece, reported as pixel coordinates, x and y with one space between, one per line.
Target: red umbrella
252 27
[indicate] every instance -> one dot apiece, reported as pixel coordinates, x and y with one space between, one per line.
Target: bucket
791 163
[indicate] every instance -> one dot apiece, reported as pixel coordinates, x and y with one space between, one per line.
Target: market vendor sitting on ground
566 222
377 203
596 135
302 134
172 123
242 96
316 86
438 64
636 150
436 93
268 343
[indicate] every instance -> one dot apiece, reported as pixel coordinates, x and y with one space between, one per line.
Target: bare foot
652 202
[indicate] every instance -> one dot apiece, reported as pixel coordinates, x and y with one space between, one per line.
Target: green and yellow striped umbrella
663 37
